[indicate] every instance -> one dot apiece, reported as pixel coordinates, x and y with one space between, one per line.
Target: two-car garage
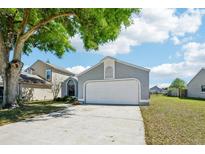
118 91
114 82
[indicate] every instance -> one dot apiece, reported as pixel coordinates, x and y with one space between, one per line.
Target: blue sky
171 42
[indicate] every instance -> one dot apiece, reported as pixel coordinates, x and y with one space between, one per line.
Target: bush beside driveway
171 120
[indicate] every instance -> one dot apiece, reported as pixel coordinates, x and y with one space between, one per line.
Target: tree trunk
4 59
11 77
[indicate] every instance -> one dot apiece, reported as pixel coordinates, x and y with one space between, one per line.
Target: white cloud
77 69
176 40
160 85
77 43
163 85
179 41
194 52
152 26
121 46
188 22
194 60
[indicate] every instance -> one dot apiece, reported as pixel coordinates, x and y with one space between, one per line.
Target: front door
71 88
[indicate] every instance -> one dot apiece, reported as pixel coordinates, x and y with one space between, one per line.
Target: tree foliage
95 27
178 83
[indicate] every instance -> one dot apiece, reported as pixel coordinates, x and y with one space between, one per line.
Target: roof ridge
203 68
128 63
57 67
119 61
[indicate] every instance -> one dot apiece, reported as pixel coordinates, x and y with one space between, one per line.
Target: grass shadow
27 111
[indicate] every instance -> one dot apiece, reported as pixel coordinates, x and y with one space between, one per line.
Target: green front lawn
29 110
171 120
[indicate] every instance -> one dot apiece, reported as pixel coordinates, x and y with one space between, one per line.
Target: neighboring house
155 90
37 81
28 83
196 87
33 87
50 74
110 81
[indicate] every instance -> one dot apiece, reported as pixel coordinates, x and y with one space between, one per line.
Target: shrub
67 99
71 99
61 99
57 99
182 93
173 92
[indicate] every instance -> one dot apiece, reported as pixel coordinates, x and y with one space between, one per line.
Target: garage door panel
113 92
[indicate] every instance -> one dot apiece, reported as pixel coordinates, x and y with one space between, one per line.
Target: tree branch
23 22
44 22
25 36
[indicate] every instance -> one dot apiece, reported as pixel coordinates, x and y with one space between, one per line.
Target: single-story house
111 81
155 90
196 87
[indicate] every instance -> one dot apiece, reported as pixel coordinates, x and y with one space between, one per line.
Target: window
48 74
203 88
109 72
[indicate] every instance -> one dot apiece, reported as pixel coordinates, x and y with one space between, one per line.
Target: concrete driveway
84 124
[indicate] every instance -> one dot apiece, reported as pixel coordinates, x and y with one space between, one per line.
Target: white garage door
112 92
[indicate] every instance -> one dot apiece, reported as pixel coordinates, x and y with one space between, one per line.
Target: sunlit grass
171 120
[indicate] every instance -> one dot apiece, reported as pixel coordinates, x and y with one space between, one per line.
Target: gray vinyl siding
194 87
125 71
97 73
